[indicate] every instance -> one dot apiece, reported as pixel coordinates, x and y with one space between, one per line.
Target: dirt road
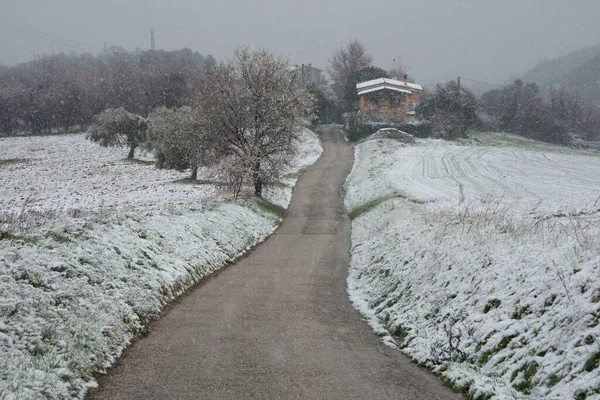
278 324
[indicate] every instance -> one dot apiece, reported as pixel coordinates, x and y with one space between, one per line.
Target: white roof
388 82
381 87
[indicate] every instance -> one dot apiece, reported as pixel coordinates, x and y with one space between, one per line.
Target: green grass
360 210
8 161
553 380
400 334
488 354
190 181
529 370
520 312
21 238
33 279
454 387
59 237
137 161
270 207
592 363
492 304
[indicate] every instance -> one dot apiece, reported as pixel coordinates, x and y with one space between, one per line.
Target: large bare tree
345 63
252 109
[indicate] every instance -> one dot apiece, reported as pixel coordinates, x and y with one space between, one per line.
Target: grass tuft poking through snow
482 262
76 288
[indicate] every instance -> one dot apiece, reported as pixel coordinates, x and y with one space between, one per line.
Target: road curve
278 323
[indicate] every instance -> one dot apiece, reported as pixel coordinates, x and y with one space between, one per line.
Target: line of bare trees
64 92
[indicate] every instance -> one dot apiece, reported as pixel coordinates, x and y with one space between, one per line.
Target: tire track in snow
526 179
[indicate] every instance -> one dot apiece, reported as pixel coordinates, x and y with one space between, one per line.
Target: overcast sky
488 40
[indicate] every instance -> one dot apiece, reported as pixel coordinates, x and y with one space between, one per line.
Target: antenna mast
152 43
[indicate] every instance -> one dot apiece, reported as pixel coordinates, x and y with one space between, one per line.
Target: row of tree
245 119
65 92
520 108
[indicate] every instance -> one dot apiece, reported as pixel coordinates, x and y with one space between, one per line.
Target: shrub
451 109
119 127
357 128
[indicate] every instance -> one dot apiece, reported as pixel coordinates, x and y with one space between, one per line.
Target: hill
579 71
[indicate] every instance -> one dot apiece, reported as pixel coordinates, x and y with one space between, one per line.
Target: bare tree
345 63
66 91
399 70
235 170
252 109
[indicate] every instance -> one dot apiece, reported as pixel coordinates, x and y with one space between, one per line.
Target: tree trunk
194 175
131 152
258 187
257 180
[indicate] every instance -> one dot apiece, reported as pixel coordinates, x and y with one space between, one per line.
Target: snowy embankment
107 243
482 261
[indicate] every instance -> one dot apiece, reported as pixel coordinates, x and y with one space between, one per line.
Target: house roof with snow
386 83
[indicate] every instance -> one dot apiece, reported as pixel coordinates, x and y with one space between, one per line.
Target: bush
451 109
328 109
358 127
119 127
420 129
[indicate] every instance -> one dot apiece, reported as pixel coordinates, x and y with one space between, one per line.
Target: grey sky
439 40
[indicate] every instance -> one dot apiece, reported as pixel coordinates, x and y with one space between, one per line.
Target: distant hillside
578 70
585 80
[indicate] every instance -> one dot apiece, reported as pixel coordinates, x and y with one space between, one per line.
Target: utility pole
458 81
152 43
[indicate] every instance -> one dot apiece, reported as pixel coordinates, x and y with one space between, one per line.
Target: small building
389 96
307 75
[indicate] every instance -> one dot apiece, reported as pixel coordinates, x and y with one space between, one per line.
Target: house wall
384 104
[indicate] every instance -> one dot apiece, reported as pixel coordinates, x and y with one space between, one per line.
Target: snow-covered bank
76 290
482 262
309 151
73 298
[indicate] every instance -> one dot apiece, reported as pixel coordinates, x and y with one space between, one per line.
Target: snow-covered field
113 242
67 173
482 261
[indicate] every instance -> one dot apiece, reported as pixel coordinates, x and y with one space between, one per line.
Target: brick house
389 96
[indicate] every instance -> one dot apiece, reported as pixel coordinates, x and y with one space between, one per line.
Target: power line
60 39
467 79
41 37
